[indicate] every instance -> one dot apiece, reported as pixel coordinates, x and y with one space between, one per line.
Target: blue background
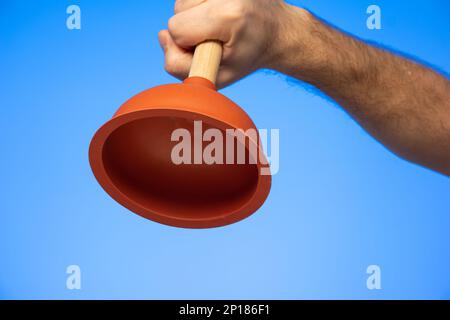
340 202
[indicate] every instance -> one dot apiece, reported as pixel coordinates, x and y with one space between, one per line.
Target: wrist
311 51
289 43
305 47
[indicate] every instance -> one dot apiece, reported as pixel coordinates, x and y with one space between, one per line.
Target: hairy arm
403 104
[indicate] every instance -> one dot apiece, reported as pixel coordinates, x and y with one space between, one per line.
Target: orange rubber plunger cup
131 155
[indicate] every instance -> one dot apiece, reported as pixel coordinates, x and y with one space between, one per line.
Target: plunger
131 155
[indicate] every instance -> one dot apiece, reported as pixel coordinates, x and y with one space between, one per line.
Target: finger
162 37
177 60
183 5
198 24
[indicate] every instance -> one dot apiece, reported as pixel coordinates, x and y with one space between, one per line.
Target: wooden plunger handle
206 60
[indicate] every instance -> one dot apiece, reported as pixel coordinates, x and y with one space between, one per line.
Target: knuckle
235 10
176 30
183 5
172 67
175 27
179 6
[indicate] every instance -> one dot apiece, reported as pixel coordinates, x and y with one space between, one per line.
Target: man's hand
249 30
403 104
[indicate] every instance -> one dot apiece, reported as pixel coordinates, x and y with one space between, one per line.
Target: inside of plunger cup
139 160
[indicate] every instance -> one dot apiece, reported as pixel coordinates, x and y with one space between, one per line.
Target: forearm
401 103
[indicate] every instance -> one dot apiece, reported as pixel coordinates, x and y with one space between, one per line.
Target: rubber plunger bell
131 155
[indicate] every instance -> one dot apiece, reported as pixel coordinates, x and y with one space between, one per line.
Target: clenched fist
252 32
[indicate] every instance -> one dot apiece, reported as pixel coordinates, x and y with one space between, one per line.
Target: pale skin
404 105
